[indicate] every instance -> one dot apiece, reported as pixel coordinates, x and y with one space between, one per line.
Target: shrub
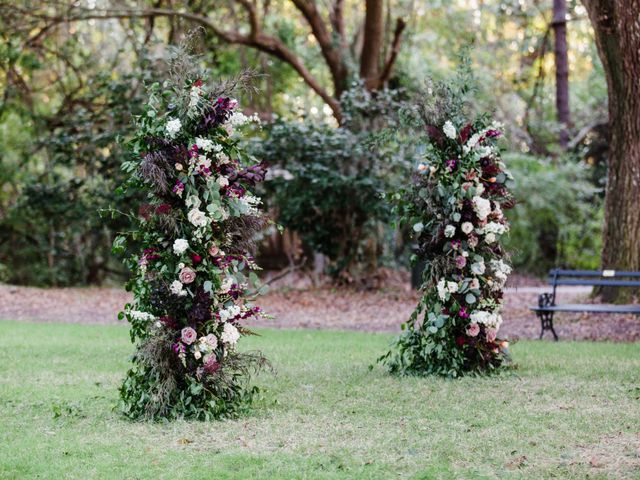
558 217
326 185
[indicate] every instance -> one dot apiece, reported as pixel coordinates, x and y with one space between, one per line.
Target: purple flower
178 188
493 133
463 313
461 261
451 164
455 244
179 348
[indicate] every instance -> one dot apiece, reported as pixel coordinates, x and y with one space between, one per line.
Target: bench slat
596 308
611 283
592 273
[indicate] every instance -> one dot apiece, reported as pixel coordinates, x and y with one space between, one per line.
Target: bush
328 186
558 218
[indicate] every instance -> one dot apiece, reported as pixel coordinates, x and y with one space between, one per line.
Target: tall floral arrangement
454 209
193 279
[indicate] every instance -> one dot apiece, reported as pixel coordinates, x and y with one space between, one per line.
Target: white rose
180 246
452 287
418 227
482 207
204 144
490 237
173 127
442 290
230 334
176 288
467 227
223 181
197 218
449 130
449 231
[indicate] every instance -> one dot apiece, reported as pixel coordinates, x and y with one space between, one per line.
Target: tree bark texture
562 69
617 30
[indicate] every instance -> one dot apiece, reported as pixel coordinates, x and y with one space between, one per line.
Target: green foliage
558 216
328 183
327 187
61 178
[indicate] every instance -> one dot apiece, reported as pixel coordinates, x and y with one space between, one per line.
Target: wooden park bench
547 306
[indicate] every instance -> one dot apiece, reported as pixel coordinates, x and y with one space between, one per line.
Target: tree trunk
372 45
617 32
562 69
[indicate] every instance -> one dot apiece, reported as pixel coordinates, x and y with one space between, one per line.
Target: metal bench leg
546 322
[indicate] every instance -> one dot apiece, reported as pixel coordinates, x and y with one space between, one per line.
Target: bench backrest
613 278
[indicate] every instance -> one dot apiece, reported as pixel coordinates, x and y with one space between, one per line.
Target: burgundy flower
169 322
460 341
144 211
150 254
465 133
493 133
163 209
211 365
195 258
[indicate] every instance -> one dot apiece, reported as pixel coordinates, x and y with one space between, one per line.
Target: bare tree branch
256 38
393 54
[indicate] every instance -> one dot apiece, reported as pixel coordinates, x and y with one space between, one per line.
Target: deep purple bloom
451 164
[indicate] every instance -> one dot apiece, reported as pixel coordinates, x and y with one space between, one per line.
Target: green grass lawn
571 410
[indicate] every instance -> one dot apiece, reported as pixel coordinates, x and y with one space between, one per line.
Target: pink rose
473 329
461 261
473 241
188 335
491 333
213 250
187 275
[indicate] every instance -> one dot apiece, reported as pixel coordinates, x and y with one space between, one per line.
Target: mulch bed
323 307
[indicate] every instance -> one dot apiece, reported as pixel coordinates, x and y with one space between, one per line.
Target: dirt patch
614 456
322 308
